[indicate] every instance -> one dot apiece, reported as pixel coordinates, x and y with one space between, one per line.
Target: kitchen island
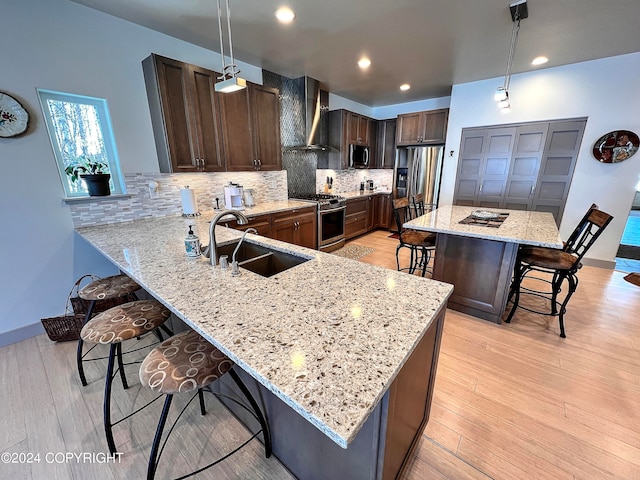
478 255
342 354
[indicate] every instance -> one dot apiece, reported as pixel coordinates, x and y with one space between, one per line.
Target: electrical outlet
154 187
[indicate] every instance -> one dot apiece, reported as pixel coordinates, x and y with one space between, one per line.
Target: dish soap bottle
192 244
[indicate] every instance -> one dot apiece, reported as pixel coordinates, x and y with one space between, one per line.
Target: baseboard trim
593 262
21 333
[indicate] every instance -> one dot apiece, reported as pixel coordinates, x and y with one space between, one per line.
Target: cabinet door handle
480 188
533 187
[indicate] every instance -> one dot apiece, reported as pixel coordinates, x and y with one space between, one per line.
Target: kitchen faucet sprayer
234 263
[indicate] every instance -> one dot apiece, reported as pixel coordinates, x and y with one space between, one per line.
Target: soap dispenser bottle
192 244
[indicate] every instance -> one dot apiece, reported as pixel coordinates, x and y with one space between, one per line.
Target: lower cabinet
262 223
367 213
385 211
297 226
356 217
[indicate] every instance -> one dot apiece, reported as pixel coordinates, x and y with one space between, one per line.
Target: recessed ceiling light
539 61
364 63
285 15
405 86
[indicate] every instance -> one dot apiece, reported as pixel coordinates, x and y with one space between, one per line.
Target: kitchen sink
260 259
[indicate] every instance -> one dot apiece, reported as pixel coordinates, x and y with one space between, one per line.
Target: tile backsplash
349 180
138 203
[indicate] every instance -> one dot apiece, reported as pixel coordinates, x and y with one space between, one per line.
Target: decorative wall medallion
616 146
14 119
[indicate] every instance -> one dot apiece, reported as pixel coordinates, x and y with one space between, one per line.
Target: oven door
331 224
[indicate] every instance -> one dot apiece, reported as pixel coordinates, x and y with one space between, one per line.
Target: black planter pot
98 184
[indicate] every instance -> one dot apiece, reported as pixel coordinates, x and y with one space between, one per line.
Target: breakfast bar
476 252
345 375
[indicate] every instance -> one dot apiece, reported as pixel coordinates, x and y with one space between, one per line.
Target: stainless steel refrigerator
418 170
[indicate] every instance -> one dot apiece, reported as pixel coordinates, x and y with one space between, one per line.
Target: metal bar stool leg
263 423
83 379
123 377
151 469
203 411
107 399
518 273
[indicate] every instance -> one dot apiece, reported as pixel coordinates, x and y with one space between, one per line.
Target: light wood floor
511 401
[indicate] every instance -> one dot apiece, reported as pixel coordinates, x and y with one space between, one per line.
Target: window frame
102 109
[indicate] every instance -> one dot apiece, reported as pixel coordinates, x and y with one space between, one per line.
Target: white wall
59 45
606 91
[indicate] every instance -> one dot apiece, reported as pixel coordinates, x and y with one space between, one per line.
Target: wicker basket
67 327
64 328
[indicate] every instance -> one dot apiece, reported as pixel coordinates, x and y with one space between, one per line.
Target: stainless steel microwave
358 156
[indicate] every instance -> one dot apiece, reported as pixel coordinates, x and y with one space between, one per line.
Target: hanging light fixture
519 11
230 81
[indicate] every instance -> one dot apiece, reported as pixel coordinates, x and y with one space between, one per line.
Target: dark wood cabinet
345 129
184 114
384 212
356 217
251 128
297 226
265 110
358 129
262 223
197 129
422 128
386 143
367 212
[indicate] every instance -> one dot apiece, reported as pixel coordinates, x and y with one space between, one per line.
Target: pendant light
519 11
229 80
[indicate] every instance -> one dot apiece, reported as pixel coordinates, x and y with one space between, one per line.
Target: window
80 127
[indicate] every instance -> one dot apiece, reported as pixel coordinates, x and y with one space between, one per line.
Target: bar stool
114 326
421 245
556 266
184 363
108 288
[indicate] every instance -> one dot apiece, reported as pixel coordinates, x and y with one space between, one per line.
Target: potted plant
94 173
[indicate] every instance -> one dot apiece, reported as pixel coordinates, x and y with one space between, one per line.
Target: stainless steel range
331 219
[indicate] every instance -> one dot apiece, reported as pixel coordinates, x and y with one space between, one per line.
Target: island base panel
382 448
479 269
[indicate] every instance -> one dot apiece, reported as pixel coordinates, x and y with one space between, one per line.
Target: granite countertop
264 208
358 193
524 227
327 336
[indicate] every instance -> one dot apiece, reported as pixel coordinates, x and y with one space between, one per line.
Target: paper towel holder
194 214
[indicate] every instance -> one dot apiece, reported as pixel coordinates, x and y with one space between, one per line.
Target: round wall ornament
616 146
14 119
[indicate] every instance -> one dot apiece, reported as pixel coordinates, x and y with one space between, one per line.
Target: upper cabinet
251 128
354 138
422 128
386 143
358 128
184 114
196 129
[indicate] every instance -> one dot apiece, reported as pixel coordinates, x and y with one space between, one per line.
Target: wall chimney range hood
308 106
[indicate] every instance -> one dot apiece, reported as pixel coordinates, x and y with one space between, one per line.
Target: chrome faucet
211 251
234 263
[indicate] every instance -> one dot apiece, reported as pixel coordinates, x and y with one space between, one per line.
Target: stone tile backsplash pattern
349 180
268 187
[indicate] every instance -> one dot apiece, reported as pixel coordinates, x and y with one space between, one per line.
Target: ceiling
430 44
